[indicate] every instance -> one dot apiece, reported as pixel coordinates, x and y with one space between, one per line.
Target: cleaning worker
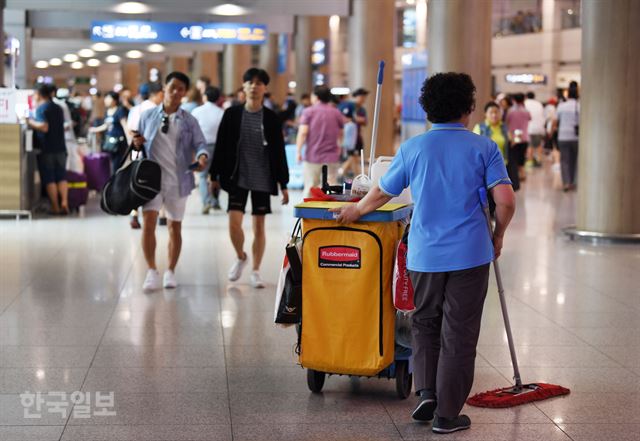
450 250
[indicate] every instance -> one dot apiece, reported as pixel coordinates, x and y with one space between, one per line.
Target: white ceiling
191 7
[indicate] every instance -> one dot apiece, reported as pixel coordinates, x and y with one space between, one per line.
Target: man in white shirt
209 116
152 98
536 129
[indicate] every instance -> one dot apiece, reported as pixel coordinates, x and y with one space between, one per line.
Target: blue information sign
283 52
126 31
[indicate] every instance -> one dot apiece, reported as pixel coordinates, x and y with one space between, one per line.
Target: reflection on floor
204 361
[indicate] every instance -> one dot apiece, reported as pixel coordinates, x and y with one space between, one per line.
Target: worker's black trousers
445 329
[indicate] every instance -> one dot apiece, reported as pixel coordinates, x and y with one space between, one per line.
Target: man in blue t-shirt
52 161
450 248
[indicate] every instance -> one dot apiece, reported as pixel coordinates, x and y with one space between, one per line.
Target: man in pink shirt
518 118
320 128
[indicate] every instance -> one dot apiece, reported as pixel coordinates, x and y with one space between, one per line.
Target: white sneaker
152 281
169 279
236 270
256 281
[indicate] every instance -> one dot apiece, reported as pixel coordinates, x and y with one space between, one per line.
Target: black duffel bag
131 186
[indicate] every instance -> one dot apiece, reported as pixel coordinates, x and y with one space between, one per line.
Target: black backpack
131 186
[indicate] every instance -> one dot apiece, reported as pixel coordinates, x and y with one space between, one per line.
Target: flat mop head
514 396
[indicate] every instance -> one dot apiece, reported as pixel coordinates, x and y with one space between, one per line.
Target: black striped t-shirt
254 168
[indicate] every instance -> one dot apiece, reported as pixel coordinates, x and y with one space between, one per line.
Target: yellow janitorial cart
348 317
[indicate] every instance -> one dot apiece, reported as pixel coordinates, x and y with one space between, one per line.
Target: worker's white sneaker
151 281
236 270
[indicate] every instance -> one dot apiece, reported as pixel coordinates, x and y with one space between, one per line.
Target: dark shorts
535 140
519 152
260 201
52 167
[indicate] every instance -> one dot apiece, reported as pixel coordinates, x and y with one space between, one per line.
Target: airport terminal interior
91 348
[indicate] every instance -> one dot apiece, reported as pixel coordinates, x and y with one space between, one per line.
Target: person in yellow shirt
494 128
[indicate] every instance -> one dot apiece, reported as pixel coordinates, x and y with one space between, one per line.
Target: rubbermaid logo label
339 257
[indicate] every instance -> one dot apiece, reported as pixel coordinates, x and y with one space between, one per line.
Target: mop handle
482 192
376 115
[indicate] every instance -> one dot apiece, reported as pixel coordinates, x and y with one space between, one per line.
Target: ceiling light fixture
155 47
229 9
101 47
131 8
77 65
112 59
134 54
41 64
86 53
70 58
93 62
55 62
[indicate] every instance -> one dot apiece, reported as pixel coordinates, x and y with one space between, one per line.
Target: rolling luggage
97 167
78 191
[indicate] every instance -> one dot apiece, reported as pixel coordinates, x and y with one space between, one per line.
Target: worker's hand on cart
285 196
346 214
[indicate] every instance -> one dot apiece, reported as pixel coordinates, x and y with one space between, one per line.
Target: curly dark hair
447 96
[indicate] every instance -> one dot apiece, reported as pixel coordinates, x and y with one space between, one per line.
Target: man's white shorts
174 205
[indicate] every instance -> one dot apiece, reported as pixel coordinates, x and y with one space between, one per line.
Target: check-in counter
17 170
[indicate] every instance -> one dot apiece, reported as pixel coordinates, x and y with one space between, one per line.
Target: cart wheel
315 380
404 379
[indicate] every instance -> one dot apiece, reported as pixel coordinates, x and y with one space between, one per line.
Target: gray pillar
371 39
609 157
15 25
236 60
303 55
550 58
460 41
307 30
269 62
2 81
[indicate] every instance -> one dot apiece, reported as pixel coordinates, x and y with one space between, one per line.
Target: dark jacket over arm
224 167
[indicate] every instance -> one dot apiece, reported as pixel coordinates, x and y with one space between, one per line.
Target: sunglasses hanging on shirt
165 123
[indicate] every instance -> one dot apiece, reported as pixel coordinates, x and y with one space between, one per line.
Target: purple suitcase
97 167
78 190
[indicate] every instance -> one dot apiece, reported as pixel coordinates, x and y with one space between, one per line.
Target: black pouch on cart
131 186
289 290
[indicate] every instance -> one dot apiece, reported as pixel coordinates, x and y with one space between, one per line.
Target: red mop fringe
499 398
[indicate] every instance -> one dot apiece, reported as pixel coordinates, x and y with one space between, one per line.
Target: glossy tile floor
204 361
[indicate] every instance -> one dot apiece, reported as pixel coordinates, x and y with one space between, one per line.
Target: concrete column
609 157
338 28
460 41
551 16
179 64
2 81
15 24
371 39
236 60
205 63
269 62
307 30
421 25
131 76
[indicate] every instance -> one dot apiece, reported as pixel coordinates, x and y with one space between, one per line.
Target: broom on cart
519 393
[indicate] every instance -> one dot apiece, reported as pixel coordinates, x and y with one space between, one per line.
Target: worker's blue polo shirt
445 167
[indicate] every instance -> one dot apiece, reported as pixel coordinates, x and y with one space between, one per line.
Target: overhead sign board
526 78
126 31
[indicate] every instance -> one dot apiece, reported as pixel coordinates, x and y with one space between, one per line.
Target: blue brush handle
380 71
482 192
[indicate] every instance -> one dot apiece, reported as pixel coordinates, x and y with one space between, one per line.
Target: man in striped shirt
250 160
